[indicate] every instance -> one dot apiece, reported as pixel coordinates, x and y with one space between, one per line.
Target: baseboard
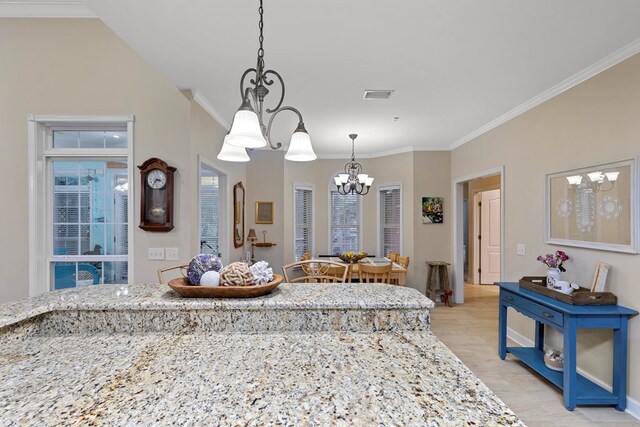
633 406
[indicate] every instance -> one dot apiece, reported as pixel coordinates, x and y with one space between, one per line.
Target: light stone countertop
299 296
291 379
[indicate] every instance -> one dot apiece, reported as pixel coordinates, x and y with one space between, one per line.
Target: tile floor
470 330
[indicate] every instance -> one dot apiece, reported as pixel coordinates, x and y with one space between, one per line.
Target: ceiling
458 67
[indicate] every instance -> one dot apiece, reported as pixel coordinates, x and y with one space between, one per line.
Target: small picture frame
600 277
264 212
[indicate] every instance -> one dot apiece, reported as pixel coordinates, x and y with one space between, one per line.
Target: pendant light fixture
248 129
353 181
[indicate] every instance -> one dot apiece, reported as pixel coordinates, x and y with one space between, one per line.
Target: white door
490 237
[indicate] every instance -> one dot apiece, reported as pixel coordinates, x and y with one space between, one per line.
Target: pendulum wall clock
156 196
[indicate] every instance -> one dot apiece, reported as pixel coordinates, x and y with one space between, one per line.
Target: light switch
520 249
171 254
156 254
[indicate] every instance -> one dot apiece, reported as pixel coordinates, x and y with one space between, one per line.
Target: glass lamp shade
231 153
362 178
574 180
300 149
612 176
344 177
245 131
368 181
596 176
336 179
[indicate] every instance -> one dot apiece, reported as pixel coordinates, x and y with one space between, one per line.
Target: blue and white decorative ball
200 264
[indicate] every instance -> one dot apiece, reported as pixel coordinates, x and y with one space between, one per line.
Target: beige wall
79 67
432 242
595 122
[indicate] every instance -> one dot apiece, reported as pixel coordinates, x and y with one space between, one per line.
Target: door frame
458 244
224 243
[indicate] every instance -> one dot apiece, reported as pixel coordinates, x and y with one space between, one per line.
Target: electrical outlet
171 254
156 254
520 249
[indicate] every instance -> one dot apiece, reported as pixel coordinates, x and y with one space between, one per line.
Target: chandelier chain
261 38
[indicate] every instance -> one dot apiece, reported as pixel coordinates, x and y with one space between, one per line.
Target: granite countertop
337 378
160 297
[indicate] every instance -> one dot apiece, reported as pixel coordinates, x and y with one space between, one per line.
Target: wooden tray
182 286
582 296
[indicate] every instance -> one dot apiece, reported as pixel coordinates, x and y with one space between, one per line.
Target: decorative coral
262 273
236 274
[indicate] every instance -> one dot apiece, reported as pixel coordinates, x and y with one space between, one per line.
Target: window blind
303 216
390 221
345 222
209 212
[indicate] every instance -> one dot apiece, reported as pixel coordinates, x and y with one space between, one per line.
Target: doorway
478 236
212 190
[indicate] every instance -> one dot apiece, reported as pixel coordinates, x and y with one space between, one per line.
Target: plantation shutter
390 220
303 213
345 222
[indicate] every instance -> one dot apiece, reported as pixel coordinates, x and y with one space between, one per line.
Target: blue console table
567 318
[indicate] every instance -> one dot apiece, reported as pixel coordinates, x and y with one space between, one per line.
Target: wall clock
156 196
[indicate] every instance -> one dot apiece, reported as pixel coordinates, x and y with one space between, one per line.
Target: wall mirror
238 215
594 207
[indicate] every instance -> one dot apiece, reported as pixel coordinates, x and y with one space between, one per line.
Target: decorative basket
352 256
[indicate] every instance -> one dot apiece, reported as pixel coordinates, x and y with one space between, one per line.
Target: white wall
595 122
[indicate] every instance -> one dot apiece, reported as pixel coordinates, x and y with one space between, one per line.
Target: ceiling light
353 181
248 129
232 153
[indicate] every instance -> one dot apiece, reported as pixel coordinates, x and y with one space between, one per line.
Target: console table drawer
545 314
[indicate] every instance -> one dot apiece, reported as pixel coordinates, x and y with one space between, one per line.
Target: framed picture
594 207
264 212
600 277
432 210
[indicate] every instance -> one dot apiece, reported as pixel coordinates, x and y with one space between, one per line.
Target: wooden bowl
182 286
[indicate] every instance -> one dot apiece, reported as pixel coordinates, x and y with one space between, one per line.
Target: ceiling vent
377 94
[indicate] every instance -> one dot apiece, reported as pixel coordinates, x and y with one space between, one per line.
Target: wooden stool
438 281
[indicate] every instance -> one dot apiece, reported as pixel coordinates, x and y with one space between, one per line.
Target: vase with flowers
555 263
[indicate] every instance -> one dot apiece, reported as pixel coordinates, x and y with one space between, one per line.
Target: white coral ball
262 273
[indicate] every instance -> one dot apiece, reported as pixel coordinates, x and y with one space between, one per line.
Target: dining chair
181 267
403 261
315 271
393 256
368 273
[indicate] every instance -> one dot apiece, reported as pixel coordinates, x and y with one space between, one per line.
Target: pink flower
554 260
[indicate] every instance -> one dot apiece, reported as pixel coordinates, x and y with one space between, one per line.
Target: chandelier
353 181
248 128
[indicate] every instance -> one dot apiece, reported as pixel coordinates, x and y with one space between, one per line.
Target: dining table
398 272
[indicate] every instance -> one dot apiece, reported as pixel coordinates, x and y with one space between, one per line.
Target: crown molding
206 105
44 9
607 62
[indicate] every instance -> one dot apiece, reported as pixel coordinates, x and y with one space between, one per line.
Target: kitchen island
305 354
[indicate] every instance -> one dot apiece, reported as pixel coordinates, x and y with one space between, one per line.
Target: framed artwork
264 212
594 207
432 210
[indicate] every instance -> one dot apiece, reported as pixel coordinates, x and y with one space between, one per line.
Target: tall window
345 222
209 211
82 200
390 227
303 220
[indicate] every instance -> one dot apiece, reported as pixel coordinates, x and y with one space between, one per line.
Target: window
303 220
209 211
390 226
345 222
79 208
212 218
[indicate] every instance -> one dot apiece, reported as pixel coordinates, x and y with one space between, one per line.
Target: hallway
470 330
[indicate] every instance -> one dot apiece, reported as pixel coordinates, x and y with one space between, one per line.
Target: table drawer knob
509 298
545 314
